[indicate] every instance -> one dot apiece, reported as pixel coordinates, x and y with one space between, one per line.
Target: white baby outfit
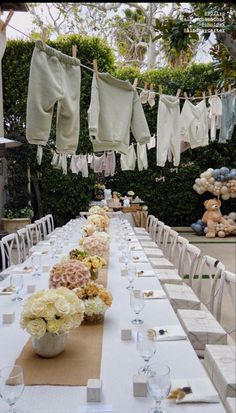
128 161
214 114
194 124
142 157
78 164
168 129
152 143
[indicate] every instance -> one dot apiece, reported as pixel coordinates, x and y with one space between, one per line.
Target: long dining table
120 360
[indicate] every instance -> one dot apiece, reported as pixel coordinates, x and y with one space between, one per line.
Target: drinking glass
146 346
36 261
158 385
137 304
131 271
16 281
11 386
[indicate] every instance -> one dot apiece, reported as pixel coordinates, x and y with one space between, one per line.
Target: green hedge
173 201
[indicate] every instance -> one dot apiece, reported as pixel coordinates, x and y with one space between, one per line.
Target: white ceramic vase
50 345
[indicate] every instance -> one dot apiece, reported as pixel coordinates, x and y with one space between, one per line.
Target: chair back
33 234
165 245
4 262
49 223
153 228
227 291
178 252
150 218
11 249
190 261
23 244
160 233
42 227
171 244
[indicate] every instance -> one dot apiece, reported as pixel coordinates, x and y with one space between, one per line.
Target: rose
53 326
36 328
62 306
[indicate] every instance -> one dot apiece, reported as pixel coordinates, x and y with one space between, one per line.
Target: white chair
33 234
190 262
3 259
43 227
227 291
11 248
24 247
50 223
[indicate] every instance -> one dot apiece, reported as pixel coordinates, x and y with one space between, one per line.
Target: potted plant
15 219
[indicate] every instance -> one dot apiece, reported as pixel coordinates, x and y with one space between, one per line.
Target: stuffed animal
213 216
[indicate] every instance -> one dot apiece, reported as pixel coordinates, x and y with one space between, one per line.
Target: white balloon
195 187
224 190
212 180
202 175
219 184
203 181
198 181
225 197
232 215
210 170
207 174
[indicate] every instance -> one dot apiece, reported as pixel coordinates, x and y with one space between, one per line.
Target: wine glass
146 346
131 271
11 385
137 304
36 261
158 385
16 281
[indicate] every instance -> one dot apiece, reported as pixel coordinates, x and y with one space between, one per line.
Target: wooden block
94 390
139 385
8 318
31 288
126 333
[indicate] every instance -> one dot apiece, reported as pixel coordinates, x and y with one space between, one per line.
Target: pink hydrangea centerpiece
70 274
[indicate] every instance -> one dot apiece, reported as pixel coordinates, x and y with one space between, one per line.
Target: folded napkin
132 239
6 290
154 294
145 273
203 390
135 246
168 333
22 269
139 258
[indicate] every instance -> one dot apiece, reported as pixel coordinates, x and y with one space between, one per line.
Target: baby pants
98 163
142 157
168 129
228 116
128 161
79 164
54 77
110 164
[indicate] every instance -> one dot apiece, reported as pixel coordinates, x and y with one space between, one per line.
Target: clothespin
95 67
178 93
135 84
160 89
229 88
44 34
151 87
145 86
204 95
185 95
209 91
223 89
216 93
4 24
74 50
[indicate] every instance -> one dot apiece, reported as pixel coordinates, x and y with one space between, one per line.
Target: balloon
205 230
212 180
208 174
232 215
224 190
221 234
210 170
227 177
218 184
203 181
233 195
215 173
198 181
195 187
225 197
224 170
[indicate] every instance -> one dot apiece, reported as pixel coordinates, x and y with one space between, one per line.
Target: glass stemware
146 346
131 271
16 281
11 385
137 304
36 261
158 385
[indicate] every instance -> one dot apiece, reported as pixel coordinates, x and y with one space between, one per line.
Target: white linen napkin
203 390
171 333
154 294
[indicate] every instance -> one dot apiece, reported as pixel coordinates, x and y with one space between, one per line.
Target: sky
24 22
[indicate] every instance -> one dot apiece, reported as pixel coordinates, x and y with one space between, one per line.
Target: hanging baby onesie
114 108
110 164
214 114
144 96
151 98
168 129
79 164
152 143
98 163
142 157
128 161
228 116
194 124
54 77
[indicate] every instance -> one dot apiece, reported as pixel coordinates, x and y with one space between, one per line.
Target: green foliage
26 212
174 201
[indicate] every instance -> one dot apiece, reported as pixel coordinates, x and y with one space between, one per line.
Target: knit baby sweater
114 109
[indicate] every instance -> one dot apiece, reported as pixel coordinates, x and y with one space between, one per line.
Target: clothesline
156 93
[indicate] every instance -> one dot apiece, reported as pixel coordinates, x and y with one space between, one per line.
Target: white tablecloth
120 359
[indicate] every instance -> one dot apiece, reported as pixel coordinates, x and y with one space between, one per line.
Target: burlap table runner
80 361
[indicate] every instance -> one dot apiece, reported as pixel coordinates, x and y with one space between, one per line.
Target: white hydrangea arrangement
52 310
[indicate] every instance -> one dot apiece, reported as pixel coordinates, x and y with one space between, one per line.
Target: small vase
94 274
50 345
93 319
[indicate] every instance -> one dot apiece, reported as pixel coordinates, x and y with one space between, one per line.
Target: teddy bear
213 216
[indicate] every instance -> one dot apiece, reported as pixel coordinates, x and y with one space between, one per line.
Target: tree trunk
38 196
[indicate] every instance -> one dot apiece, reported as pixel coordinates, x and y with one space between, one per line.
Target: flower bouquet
100 221
69 274
95 246
96 209
48 315
97 299
94 263
77 254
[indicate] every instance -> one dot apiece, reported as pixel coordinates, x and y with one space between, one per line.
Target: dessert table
120 359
